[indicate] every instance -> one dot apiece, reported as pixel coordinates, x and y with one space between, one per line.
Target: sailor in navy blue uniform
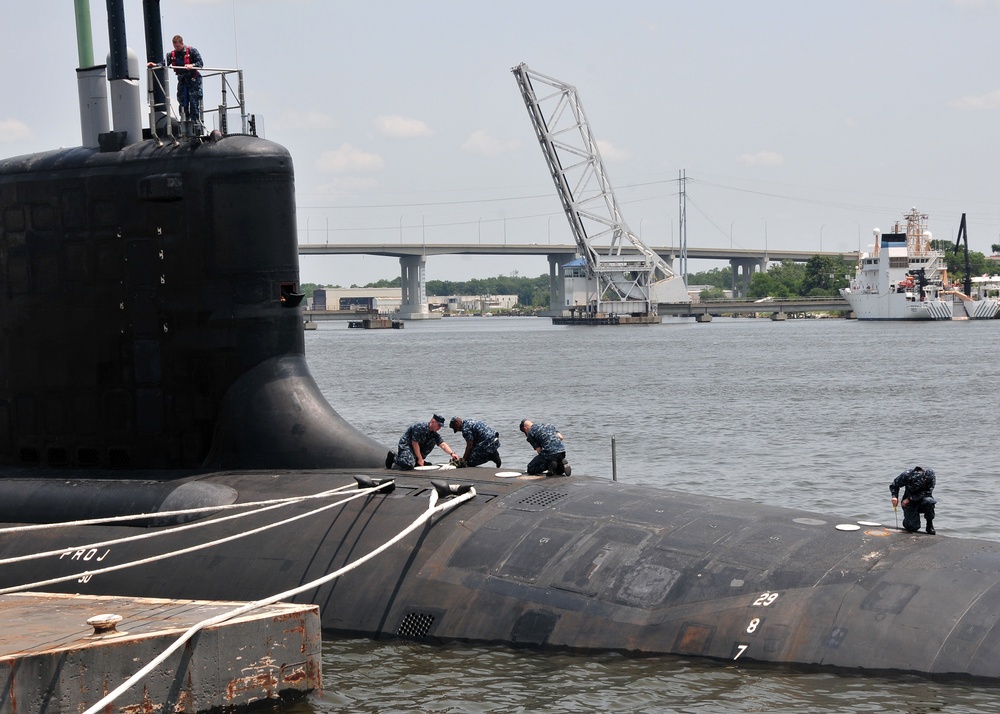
416 443
547 442
184 59
917 498
482 443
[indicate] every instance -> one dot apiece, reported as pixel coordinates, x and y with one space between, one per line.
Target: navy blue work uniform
552 454
917 498
485 442
189 91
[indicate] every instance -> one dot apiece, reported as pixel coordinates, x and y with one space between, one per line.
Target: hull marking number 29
763 600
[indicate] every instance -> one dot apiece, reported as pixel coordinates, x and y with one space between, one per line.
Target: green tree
766 285
712 293
529 291
781 280
309 289
721 278
824 276
394 283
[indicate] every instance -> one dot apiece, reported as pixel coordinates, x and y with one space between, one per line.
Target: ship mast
917 238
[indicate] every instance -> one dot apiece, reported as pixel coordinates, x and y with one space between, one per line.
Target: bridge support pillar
743 270
414 288
557 283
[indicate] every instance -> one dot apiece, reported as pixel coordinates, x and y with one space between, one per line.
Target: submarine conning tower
150 316
150 313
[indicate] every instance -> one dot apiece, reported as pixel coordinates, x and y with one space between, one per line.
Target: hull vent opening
415 624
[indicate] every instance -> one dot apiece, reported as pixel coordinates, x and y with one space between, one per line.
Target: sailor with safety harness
919 484
184 59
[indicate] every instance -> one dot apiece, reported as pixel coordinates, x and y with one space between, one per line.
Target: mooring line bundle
164 514
458 495
273 503
362 492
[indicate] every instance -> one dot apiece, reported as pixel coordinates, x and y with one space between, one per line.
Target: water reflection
368 676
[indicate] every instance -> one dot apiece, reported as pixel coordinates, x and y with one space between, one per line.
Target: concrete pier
52 661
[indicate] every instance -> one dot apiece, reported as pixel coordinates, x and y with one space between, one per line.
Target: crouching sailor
547 442
482 443
416 443
917 498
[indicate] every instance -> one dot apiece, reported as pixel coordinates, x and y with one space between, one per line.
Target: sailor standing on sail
919 484
184 59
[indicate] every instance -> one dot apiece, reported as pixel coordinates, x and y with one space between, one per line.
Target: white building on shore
388 300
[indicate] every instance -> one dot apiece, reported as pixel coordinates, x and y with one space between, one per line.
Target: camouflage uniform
545 436
189 92
422 434
485 442
919 484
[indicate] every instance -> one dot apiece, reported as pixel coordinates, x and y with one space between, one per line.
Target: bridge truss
620 268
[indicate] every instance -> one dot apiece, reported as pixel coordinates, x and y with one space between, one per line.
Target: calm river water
814 414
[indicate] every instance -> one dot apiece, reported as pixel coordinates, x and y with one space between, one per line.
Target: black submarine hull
576 564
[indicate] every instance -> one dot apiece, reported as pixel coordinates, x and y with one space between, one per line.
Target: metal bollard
614 460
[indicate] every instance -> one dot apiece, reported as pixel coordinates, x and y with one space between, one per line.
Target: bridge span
413 258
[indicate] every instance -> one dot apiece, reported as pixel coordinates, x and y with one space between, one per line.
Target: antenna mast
683 231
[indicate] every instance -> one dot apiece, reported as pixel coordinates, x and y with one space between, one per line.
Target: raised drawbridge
623 275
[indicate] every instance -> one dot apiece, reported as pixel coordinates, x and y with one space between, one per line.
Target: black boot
930 528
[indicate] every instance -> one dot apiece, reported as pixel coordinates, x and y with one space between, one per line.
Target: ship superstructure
901 278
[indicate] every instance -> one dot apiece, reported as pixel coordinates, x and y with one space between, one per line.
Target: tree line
531 292
824 276
820 276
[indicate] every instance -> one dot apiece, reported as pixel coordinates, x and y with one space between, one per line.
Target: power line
465 201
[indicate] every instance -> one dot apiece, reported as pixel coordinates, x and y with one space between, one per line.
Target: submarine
154 380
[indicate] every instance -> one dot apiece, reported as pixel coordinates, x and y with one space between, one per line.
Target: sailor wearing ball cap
416 443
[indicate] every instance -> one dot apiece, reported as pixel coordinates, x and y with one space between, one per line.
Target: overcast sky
800 123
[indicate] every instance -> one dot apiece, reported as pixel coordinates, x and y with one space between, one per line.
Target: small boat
904 278
376 323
